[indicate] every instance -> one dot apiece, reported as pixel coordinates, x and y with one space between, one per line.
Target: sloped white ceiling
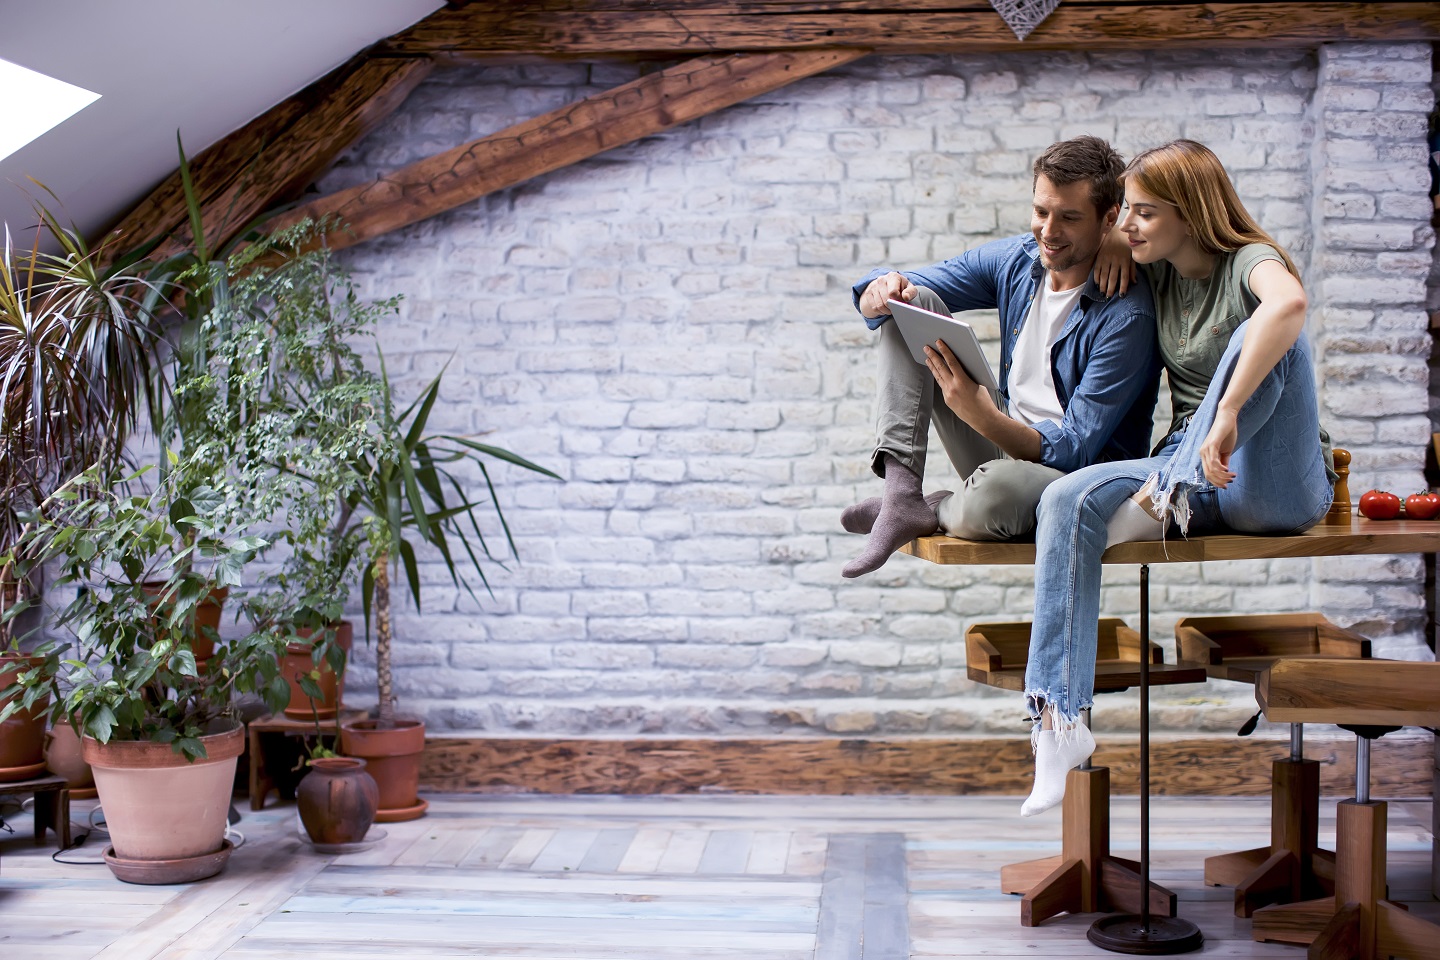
202 67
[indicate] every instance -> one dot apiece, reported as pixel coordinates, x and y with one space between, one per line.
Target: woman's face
1155 229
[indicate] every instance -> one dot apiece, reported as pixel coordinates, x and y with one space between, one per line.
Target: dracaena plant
78 348
410 493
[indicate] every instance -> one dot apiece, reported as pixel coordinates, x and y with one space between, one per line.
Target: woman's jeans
1280 486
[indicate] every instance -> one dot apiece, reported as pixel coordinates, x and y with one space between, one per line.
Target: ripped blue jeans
1280 486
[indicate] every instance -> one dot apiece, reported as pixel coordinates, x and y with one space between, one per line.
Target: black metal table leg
1144 934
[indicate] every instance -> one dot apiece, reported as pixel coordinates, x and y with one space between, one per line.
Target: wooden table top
1323 540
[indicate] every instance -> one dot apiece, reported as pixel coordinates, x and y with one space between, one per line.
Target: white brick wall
668 326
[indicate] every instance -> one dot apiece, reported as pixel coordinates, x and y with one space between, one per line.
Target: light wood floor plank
646 849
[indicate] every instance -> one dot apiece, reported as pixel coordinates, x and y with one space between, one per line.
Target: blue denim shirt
1105 361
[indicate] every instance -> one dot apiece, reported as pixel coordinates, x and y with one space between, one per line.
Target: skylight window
34 104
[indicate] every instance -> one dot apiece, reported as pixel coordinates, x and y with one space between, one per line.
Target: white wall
668 326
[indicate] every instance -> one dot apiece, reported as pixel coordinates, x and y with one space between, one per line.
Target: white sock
1132 522
1053 761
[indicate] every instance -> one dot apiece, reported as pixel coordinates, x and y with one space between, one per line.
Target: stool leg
1360 864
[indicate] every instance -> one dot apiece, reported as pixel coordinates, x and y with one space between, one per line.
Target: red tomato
1422 506
1379 505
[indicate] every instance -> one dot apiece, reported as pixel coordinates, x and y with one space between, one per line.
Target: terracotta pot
392 757
337 800
298 660
205 625
22 737
66 758
158 805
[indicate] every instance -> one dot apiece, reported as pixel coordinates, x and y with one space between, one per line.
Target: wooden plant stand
1371 698
260 781
52 806
1293 867
1084 878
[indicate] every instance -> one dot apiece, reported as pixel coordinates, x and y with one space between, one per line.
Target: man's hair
1084 158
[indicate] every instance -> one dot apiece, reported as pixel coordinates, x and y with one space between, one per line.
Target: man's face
1066 224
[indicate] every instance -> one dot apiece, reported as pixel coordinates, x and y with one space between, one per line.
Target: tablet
921 328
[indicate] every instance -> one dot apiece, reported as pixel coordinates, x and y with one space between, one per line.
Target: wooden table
1359 537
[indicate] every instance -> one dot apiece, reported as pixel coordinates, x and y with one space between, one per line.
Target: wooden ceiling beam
271 159
489 29
557 139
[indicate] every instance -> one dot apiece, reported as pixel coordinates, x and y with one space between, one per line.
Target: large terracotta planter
65 757
337 800
299 659
22 737
205 625
166 815
392 757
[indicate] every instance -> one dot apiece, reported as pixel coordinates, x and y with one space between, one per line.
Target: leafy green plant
78 348
409 495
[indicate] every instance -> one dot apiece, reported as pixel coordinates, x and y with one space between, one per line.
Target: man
1078 370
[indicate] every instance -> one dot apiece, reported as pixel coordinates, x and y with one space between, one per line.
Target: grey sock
903 516
860 517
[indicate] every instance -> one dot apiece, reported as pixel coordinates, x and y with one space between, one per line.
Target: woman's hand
1114 267
1218 445
969 401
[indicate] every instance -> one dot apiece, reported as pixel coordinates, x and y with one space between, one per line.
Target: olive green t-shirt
1195 318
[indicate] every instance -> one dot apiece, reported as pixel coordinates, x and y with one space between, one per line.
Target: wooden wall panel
598 28
1227 766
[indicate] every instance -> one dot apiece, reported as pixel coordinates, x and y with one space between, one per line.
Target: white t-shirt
1032 386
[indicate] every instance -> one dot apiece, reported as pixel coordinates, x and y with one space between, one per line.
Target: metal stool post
1145 934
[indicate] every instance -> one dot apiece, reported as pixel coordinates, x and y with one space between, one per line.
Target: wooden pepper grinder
1341 509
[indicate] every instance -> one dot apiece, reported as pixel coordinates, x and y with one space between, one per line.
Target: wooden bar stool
1369 698
1084 877
1293 867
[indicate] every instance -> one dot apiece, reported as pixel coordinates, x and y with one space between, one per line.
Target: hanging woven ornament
1022 16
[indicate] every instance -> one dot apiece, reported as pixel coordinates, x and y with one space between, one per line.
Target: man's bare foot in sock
903 516
860 517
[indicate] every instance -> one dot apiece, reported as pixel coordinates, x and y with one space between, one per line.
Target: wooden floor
645 878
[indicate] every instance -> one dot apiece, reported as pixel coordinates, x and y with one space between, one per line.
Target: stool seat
1241 647
996 654
1353 692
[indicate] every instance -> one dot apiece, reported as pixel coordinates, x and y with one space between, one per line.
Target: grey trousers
998 498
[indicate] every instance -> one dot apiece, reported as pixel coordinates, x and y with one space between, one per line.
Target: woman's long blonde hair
1189 176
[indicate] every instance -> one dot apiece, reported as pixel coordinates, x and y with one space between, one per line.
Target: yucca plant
407 495
78 350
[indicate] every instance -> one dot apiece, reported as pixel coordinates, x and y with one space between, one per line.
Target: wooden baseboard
1220 766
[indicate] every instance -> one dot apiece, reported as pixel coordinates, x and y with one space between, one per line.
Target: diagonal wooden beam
272 158
624 114
592 28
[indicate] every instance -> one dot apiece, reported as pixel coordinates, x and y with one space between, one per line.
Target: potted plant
77 351
408 496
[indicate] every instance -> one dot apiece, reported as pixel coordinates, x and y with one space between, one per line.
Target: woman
1244 452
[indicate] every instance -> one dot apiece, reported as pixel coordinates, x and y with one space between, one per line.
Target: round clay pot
337 800
298 659
66 758
22 736
160 806
392 757
206 623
